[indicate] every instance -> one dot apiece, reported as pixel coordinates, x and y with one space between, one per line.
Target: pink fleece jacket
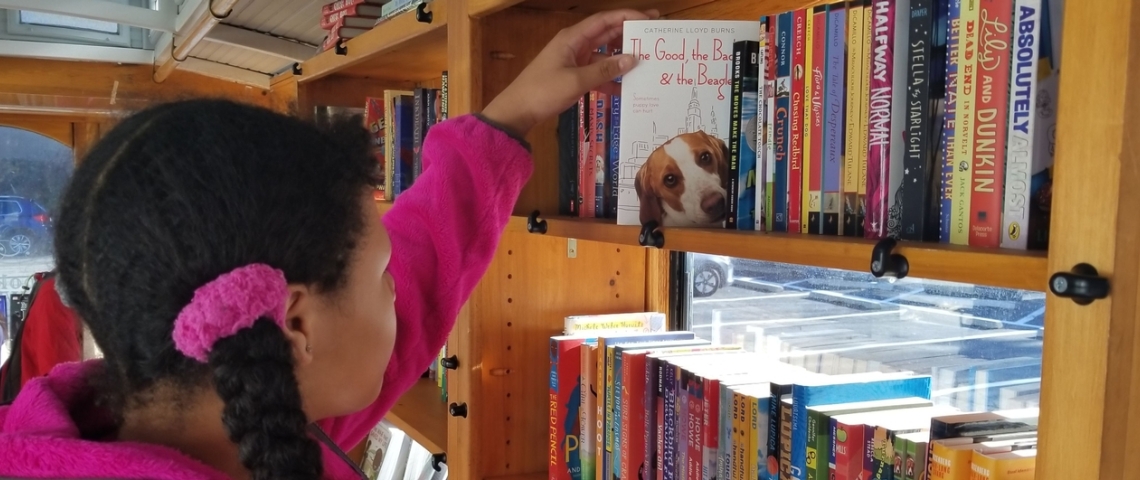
445 230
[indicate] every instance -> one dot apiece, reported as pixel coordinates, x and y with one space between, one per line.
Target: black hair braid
253 374
175 196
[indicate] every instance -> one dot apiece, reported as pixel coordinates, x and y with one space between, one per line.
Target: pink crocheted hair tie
228 304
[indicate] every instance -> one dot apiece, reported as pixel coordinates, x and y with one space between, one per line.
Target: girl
255 316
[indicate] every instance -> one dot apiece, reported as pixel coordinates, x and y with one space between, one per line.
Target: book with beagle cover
675 119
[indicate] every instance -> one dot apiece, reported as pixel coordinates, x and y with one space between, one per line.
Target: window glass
57 20
980 345
34 170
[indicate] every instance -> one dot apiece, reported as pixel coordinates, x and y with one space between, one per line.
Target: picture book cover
675 118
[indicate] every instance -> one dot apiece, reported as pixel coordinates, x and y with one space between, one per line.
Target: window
64 21
34 170
41 26
981 345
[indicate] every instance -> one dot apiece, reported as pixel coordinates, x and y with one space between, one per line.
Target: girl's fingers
585 34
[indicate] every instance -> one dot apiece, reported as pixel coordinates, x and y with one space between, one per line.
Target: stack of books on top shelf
390 454
347 19
630 401
925 120
398 123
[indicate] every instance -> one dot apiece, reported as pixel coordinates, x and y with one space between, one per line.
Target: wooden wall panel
1091 371
512 39
92 79
522 301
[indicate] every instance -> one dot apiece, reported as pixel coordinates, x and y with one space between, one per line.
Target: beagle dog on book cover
684 182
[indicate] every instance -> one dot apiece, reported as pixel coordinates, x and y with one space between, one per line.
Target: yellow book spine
854 80
864 106
964 123
752 432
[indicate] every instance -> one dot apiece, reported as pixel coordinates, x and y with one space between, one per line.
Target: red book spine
881 78
339 5
711 430
633 417
564 427
990 127
584 144
819 63
796 148
848 445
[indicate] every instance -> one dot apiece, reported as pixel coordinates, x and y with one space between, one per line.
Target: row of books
632 400
347 19
390 454
399 123
846 118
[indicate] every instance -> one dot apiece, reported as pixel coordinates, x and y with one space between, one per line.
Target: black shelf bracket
437 459
887 264
534 224
450 363
651 236
297 69
457 410
423 16
1083 284
341 48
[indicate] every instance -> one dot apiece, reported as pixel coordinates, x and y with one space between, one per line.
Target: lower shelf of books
390 453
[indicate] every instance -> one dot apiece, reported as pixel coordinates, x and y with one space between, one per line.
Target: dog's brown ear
650 208
722 160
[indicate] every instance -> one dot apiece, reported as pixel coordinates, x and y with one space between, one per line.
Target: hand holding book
567 68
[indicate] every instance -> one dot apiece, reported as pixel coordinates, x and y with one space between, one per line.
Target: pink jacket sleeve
444 230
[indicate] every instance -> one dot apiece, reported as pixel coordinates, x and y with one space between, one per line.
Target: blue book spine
805 396
615 427
783 127
749 114
949 116
833 116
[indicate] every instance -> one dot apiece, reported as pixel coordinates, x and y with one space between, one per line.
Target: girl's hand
567 68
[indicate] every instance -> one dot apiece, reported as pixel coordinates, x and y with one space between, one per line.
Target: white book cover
676 112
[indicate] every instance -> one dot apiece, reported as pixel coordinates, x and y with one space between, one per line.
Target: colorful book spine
809 130
601 150
848 448
882 94
851 144
898 143
865 120
760 174
588 442
813 163
669 450
746 210
1022 122
799 105
613 181
783 116
834 119
733 180
965 123
919 120
565 400
990 124
585 113
949 137
770 125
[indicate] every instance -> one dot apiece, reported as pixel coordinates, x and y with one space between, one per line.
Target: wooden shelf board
422 414
720 9
401 48
934 261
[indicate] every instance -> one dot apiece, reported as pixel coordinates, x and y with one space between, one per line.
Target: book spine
898 128
710 431
419 125
864 120
760 173
651 426
879 141
949 138
583 152
964 129
724 441
601 153
818 79
662 413
752 432
808 130
992 100
783 121
919 120
746 210
1023 90
899 458
610 457
619 427
770 126
612 181
812 452
568 161
601 458
855 79
693 445
740 439
669 450
554 464
868 451
796 145
786 432
443 94
834 120
589 169
587 441
733 190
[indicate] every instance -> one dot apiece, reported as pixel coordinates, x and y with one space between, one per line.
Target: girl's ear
300 322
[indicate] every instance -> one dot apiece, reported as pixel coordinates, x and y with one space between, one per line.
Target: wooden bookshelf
422 414
935 261
401 48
